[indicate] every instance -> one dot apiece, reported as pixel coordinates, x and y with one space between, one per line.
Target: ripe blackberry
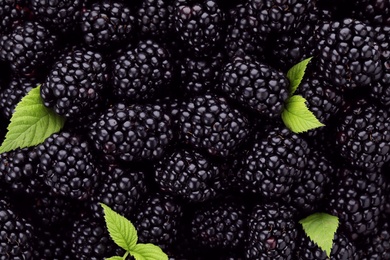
16 234
342 248
142 73
255 85
106 24
155 18
358 199
29 48
60 16
157 220
68 165
121 189
273 163
209 123
219 225
380 91
51 244
11 14
362 135
378 245
189 175
348 55
76 86
374 12
199 24
272 232
132 133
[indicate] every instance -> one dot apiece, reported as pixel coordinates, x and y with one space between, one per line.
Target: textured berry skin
132 133
28 48
219 225
60 16
68 165
272 232
11 14
76 85
158 219
16 234
143 72
357 198
199 24
189 175
363 136
378 245
374 12
348 55
51 245
106 24
381 90
255 85
209 123
273 163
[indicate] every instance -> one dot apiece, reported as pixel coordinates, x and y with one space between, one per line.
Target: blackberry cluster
12 13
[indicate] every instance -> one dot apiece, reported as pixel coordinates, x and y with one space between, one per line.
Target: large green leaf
296 73
148 252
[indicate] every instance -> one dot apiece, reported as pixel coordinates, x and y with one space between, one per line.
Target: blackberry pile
173 118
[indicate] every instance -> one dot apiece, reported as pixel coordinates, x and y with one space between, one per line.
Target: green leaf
297 117
321 228
114 258
121 230
296 73
31 123
148 252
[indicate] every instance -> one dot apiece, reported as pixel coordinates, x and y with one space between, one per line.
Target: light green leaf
321 229
296 73
148 252
114 258
297 117
31 123
121 230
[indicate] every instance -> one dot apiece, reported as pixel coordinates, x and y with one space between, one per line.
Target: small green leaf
31 123
114 258
297 117
296 73
148 252
121 230
321 228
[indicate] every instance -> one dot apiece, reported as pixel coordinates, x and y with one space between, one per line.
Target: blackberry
255 85
16 234
378 244
14 92
362 135
189 175
209 123
131 133
29 48
68 165
272 232
106 24
51 244
76 86
143 72
273 163
60 16
11 14
348 54
380 91
374 12
358 199
199 24
121 190
157 220
219 225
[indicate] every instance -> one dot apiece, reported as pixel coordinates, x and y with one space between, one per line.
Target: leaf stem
126 254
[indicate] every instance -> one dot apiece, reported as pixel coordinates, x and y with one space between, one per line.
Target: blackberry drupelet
273 163
209 123
255 85
142 73
358 199
157 220
131 133
16 234
11 14
199 24
362 135
107 24
189 175
219 224
59 16
272 232
29 48
76 86
68 165
348 54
